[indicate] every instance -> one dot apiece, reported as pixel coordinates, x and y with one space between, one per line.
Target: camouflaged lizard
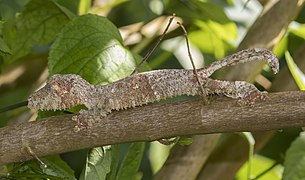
65 91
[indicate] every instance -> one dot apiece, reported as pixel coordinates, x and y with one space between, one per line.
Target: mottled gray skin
65 91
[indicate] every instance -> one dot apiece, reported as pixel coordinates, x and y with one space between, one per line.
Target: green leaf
64 9
185 141
198 10
4 49
251 141
37 25
84 6
157 155
281 47
115 152
70 5
131 162
1 26
90 46
57 167
298 31
214 37
297 74
294 161
98 164
261 164
216 31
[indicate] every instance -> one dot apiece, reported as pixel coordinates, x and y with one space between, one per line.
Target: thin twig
191 58
155 46
14 106
42 164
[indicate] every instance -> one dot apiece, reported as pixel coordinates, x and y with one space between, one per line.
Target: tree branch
56 135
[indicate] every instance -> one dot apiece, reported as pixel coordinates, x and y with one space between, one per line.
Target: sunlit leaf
131 162
157 155
294 161
90 46
259 165
84 6
38 24
213 37
298 31
297 74
281 47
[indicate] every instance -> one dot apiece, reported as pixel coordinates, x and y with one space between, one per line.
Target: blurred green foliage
83 37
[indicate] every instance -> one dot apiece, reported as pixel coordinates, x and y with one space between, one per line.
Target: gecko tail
247 55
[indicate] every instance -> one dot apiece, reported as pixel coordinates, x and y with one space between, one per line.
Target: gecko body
65 91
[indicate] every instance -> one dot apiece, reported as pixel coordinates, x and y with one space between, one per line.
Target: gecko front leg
98 108
85 119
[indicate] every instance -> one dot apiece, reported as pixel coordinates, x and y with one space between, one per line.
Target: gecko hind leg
246 93
85 119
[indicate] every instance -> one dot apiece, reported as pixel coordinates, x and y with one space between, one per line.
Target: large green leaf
295 160
36 25
98 164
131 162
90 46
57 167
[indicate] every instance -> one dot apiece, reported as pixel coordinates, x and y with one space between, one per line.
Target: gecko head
60 92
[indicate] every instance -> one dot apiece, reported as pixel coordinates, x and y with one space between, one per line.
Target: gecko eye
48 87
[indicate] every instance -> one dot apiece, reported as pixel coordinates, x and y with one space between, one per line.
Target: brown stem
56 135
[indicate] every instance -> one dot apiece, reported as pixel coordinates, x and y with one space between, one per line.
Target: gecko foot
168 141
83 120
82 125
86 119
252 97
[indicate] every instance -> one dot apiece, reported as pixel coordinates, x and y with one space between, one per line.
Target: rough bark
56 134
